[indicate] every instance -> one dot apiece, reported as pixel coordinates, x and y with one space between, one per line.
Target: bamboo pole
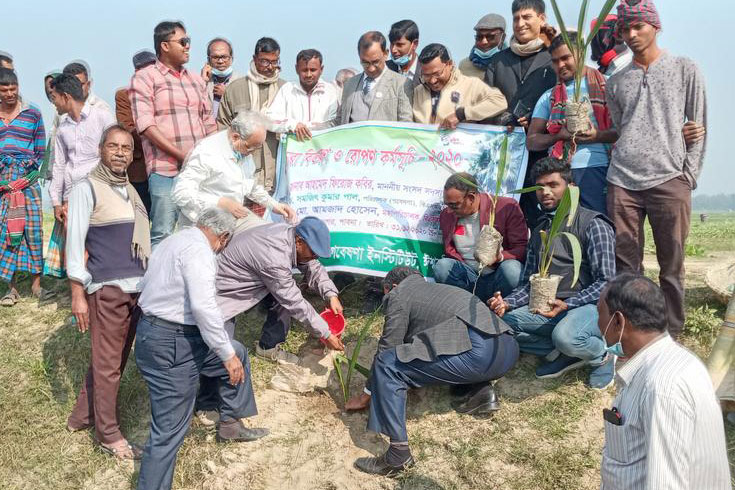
721 362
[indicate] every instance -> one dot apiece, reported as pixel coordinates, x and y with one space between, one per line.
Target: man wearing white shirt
76 153
308 105
664 429
219 172
181 336
108 245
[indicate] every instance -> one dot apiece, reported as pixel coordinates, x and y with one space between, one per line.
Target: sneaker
603 375
276 354
206 418
558 366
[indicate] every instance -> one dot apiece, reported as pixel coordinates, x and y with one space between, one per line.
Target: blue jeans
574 332
171 358
504 278
164 212
489 358
592 183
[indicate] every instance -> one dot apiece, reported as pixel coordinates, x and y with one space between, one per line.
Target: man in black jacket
570 327
433 334
523 72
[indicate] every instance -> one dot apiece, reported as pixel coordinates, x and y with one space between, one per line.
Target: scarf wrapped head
604 41
632 11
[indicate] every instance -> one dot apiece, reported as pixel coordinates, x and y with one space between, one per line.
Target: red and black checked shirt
177 104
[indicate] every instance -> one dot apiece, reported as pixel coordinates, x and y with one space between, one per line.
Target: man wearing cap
124 112
489 39
652 170
256 267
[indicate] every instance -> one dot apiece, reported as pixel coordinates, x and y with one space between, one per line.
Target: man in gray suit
377 94
433 334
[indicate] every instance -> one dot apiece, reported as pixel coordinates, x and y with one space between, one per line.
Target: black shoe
380 466
482 402
463 391
239 433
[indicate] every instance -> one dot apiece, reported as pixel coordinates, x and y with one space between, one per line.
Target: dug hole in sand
312 443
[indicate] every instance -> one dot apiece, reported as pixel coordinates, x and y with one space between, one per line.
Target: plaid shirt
177 104
601 256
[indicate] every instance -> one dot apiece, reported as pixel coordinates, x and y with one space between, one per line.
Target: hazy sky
44 35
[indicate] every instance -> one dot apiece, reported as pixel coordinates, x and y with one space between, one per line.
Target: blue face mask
617 348
222 73
402 61
485 55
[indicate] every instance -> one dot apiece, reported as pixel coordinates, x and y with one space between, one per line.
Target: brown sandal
10 299
125 451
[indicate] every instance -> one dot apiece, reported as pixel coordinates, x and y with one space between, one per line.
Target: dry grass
548 435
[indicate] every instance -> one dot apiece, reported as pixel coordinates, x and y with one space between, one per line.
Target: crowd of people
159 227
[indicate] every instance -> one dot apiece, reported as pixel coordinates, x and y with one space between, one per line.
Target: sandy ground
313 444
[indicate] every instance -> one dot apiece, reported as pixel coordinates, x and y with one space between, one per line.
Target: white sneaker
276 354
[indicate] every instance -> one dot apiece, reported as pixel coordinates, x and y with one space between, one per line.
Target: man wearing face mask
570 328
218 73
404 45
256 268
489 39
255 92
219 171
181 336
664 429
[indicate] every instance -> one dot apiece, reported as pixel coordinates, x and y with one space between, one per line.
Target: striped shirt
24 138
600 253
177 104
672 435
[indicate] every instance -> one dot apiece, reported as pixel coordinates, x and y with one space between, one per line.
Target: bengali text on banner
378 186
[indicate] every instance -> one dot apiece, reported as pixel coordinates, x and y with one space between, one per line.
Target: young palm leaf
576 254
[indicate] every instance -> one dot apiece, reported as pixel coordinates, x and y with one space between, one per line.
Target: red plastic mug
336 323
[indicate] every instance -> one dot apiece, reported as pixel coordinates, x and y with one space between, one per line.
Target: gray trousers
171 358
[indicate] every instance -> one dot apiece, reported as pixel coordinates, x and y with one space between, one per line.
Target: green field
547 436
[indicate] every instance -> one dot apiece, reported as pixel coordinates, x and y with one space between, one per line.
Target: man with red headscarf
610 52
652 171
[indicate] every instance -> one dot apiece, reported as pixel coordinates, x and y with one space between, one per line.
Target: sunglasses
184 41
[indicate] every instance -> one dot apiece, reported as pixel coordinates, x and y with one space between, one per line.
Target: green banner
379 186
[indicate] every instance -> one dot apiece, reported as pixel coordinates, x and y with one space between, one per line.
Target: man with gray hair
181 336
220 171
343 74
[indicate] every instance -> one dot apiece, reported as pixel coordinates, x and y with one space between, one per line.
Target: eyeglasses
112 147
428 77
184 41
264 63
222 57
492 36
455 205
